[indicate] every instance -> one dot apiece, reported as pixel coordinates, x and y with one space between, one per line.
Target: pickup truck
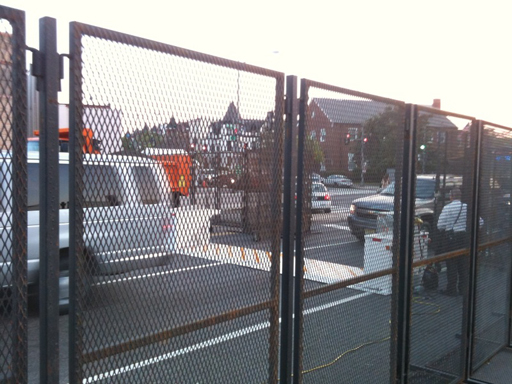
362 218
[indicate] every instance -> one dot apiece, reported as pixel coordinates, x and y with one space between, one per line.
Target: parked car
206 175
320 198
316 178
362 218
338 181
224 180
127 213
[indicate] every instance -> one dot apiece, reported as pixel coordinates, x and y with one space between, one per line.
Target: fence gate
154 285
13 222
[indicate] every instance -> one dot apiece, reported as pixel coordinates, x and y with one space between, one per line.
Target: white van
128 217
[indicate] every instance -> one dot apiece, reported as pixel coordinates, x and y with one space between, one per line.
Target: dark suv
362 218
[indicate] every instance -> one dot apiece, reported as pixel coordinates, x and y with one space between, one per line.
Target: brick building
332 122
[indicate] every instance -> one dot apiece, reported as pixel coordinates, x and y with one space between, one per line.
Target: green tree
385 135
173 135
314 155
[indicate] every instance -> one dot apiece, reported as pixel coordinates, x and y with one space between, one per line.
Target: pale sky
415 51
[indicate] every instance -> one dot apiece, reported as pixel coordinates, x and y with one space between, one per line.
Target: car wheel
33 300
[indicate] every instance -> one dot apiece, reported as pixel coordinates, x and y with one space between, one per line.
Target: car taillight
327 197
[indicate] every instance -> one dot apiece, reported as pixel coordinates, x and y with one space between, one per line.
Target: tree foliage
314 154
171 135
385 136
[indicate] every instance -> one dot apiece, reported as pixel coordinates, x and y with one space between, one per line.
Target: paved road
208 282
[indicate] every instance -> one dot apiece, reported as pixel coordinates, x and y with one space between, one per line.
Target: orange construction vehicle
91 145
177 164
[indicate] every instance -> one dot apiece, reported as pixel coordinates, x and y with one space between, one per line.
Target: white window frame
323 134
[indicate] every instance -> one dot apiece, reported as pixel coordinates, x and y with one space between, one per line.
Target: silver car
320 198
338 181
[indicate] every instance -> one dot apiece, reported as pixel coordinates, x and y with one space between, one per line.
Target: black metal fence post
406 246
49 204
299 241
475 146
288 232
276 126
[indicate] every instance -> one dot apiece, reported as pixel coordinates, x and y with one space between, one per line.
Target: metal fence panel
176 242
444 166
493 290
13 190
175 143
349 241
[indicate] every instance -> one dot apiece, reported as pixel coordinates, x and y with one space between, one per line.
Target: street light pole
423 157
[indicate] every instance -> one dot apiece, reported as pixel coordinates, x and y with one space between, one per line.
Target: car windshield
318 188
389 190
424 189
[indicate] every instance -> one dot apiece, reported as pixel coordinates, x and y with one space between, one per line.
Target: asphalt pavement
346 332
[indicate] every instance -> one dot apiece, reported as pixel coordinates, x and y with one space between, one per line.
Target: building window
313 114
351 164
354 133
322 135
313 135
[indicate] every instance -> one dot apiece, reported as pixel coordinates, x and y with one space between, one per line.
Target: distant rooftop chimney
437 103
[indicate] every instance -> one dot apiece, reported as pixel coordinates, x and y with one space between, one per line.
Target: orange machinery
88 147
177 164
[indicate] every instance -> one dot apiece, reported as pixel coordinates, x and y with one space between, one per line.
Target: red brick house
329 121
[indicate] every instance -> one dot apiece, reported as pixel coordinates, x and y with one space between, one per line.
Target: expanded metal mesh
492 314
353 144
13 223
178 268
175 233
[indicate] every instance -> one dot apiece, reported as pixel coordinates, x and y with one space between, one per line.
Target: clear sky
458 51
